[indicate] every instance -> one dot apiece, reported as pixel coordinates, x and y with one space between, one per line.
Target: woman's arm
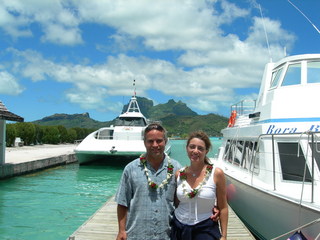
122 219
220 180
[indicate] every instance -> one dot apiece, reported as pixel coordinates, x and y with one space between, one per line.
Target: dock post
2 141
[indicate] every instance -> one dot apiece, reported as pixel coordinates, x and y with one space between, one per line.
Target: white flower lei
152 184
194 191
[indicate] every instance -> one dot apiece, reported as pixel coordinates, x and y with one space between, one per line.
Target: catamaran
123 139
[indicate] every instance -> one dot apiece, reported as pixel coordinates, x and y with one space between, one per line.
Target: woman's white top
194 210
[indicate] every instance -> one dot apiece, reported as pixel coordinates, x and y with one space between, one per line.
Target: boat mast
133 105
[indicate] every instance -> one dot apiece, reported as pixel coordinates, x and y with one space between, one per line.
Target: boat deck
103 225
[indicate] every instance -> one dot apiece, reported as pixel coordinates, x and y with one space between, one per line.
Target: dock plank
103 225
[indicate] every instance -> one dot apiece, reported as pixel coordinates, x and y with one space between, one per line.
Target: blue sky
76 56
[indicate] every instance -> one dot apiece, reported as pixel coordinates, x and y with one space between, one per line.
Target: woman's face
196 150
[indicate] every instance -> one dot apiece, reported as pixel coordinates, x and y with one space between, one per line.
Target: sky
78 56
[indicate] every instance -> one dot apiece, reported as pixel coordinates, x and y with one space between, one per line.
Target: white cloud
60 34
207 66
9 84
59 23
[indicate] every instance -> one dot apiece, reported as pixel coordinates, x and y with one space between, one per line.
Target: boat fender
232 118
297 236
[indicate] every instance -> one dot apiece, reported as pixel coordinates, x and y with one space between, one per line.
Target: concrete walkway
26 159
16 155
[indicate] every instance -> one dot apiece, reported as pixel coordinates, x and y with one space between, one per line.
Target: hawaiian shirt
149 210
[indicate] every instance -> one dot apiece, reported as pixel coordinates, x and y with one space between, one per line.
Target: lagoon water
53 203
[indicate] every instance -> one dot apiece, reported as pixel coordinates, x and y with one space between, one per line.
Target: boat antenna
265 32
305 16
134 87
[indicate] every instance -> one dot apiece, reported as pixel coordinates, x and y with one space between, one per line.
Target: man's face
155 143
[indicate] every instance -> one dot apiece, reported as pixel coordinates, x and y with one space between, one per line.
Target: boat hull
90 156
105 150
258 208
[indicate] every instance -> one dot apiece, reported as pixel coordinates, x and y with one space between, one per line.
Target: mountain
177 117
72 120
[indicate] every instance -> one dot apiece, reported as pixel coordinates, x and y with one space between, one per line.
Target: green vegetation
176 117
33 134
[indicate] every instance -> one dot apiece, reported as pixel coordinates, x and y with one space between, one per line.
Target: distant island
177 118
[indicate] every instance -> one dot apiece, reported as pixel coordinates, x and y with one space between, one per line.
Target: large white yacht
123 139
271 152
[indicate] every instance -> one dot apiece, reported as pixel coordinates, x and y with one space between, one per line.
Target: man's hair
155 126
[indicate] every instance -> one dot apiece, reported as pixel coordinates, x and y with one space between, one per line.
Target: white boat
270 152
124 139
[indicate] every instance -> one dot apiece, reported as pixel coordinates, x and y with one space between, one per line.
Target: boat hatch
292 163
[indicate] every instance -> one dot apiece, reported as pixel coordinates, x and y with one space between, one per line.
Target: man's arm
222 203
122 219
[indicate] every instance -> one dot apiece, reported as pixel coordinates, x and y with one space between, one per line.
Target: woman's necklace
151 183
194 191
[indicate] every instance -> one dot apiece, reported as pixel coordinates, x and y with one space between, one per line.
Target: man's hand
215 214
122 236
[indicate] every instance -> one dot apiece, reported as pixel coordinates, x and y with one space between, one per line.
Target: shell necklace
193 192
151 183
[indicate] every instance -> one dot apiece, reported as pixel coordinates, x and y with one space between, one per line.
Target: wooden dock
103 225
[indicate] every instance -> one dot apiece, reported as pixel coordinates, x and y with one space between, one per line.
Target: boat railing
312 138
244 107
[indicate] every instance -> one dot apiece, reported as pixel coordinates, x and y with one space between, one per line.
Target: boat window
247 154
313 72
104 134
293 75
134 122
255 160
316 153
275 77
238 153
228 153
292 164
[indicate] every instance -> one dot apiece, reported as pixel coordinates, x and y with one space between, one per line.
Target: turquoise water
52 204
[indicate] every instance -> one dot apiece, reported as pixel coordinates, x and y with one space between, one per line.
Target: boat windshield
297 73
135 122
313 72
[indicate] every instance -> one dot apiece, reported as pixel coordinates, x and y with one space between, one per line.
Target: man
146 191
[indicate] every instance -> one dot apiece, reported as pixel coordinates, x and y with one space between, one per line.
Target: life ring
232 118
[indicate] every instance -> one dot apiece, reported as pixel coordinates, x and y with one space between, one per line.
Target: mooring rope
298 228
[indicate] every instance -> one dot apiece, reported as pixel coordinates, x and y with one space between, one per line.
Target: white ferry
271 152
123 139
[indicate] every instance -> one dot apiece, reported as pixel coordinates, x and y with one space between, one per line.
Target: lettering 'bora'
276 130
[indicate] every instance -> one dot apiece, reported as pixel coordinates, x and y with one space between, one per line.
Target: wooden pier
103 225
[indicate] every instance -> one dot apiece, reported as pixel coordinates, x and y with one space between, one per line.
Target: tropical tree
63 134
11 134
26 131
51 135
72 135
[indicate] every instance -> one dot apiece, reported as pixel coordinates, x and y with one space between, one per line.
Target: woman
199 187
